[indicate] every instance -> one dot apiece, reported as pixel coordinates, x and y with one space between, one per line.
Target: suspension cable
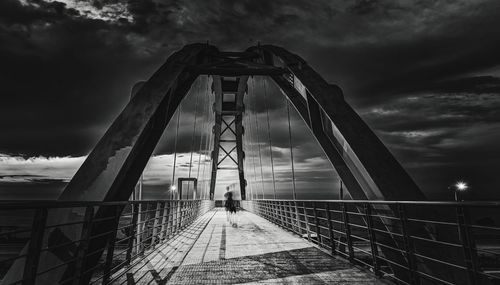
269 137
192 142
253 156
175 146
210 144
207 138
258 141
249 150
202 194
294 193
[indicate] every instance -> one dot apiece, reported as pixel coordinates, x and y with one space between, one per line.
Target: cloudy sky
424 74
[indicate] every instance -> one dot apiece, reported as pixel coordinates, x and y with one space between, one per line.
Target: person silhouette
230 206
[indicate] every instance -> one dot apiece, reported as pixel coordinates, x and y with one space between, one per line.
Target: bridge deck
210 251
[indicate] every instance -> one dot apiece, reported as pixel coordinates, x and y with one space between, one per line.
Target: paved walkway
255 252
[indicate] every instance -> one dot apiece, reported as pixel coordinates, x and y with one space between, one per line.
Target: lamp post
459 187
172 189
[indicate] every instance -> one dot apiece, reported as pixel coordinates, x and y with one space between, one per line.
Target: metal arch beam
115 164
112 169
377 172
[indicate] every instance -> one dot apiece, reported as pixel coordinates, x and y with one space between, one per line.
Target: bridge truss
111 171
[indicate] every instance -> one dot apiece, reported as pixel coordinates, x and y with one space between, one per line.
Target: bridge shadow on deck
211 251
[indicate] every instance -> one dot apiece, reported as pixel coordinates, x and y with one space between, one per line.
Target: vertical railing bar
468 244
373 241
330 230
35 246
316 223
288 216
297 219
410 252
347 231
281 214
111 248
156 223
133 229
306 218
164 221
84 244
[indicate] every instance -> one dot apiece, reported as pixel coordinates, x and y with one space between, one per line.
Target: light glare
461 186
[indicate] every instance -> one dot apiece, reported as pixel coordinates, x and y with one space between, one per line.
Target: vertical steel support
468 244
373 241
235 86
347 231
408 245
132 232
83 245
111 248
330 229
35 246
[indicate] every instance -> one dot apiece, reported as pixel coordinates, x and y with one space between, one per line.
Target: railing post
347 231
132 232
468 243
306 218
410 253
35 246
111 249
138 234
164 221
84 244
330 230
279 213
286 209
297 218
156 223
373 241
316 224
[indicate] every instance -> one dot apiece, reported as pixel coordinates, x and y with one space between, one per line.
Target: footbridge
265 119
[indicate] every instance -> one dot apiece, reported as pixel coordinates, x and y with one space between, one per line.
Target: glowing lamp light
173 188
461 186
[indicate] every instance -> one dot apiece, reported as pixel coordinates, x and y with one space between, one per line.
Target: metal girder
234 110
113 168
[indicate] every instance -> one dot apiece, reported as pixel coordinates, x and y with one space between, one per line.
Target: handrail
390 240
429 203
133 228
33 204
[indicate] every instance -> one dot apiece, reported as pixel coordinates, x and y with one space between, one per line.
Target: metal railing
101 246
406 242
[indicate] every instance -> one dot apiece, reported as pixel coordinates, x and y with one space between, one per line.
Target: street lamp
460 187
172 190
